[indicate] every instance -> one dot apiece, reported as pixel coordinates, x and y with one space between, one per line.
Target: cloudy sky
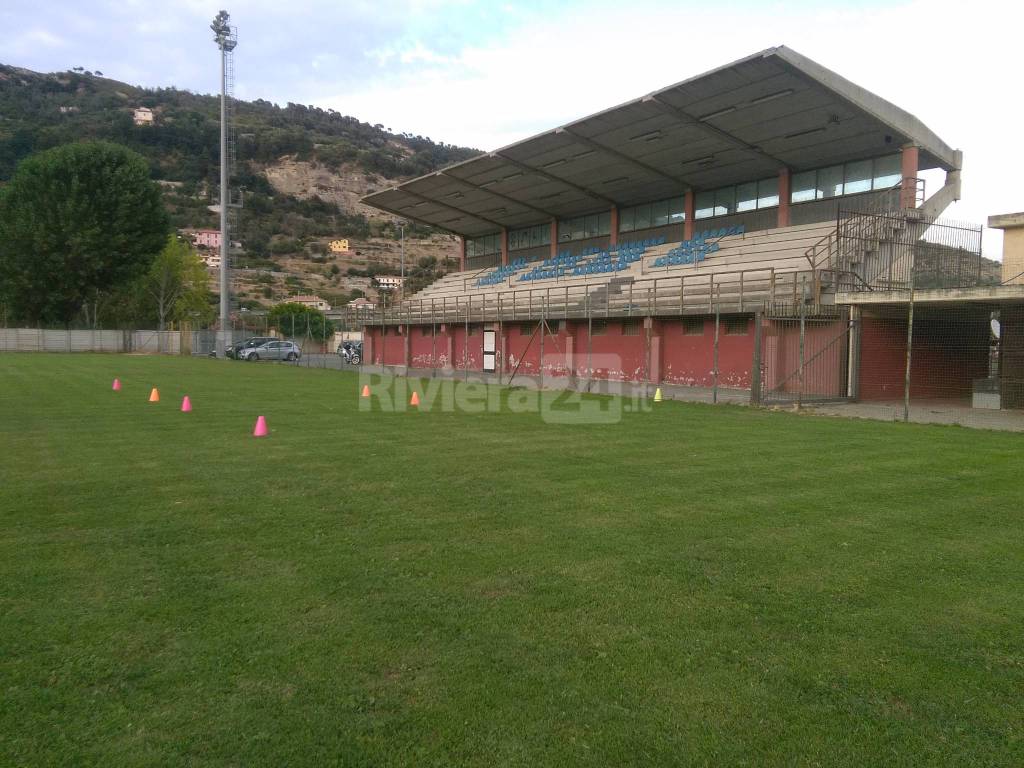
484 74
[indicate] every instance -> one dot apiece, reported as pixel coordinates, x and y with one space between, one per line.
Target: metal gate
805 358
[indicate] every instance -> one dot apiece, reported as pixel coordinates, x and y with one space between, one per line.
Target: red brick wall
519 348
684 360
423 351
393 347
467 352
688 360
950 351
614 355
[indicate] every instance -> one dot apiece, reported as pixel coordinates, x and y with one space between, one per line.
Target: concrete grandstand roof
737 123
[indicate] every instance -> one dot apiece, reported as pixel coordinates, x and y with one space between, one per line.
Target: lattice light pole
226 41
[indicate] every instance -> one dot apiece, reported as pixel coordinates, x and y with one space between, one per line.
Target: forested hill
302 169
38 111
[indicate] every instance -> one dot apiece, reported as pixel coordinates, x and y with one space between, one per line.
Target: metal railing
900 249
728 291
832 253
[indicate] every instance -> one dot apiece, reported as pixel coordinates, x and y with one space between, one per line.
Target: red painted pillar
462 253
784 196
613 230
449 347
652 329
688 209
554 238
909 169
368 344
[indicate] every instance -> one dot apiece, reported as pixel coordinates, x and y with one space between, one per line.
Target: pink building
208 238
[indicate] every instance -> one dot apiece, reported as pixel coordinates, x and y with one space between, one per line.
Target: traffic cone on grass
117 385
186 405
657 395
414 401
261 428
366 390
154 396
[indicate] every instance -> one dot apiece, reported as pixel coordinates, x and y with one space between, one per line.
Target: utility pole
402 229
226 42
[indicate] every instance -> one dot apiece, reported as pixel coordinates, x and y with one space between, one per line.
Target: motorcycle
350 355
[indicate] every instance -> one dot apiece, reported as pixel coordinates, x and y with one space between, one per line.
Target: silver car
272 350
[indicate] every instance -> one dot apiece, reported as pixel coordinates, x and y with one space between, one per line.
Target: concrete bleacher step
756 254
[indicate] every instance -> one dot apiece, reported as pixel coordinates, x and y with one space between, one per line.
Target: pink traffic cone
186 405
261 428
117 385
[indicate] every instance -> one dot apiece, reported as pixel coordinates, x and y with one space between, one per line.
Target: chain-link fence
316 336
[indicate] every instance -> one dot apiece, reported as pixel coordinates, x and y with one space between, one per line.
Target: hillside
302 169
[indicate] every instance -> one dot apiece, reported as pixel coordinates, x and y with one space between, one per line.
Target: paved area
928 412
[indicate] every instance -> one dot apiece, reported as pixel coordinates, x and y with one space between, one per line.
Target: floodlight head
221 27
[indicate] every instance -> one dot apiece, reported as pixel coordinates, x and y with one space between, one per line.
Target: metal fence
91 340
311 339
804 356
901 250
955 363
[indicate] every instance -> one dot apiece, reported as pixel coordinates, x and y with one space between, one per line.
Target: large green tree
77 223
295 320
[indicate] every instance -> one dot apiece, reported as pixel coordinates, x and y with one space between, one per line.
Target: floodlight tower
226 39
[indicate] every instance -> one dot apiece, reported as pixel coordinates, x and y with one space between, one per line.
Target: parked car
272 350
351 352
235 350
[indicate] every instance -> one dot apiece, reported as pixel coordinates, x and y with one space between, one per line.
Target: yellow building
1012 225
339 246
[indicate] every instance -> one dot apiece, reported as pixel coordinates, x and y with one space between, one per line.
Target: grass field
695 585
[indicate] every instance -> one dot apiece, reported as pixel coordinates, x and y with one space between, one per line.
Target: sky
485 74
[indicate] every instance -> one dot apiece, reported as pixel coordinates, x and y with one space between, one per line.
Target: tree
294 319
178 285
425 271
76 222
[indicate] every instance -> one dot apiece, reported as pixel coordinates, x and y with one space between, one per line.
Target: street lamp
226 42
401 226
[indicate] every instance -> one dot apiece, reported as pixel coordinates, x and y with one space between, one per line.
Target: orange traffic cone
366 390
415 399
154 396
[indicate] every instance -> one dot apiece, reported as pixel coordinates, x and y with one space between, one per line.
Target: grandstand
750 195
737 271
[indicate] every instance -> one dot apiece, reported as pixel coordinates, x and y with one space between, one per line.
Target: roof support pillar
909 170
554 238
504 246
462 253
785 188
613 230
688 211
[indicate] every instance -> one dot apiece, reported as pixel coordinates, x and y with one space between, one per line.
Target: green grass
695 585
